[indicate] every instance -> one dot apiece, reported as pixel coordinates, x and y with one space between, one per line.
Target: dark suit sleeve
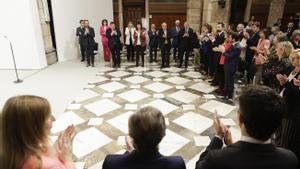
205 161
234 52
119 33
108 33
92 32
77 31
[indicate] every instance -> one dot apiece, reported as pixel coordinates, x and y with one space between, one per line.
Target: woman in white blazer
129 34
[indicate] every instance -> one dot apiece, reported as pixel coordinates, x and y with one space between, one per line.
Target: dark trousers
165 56
214 61
229 81
115 53
175 51
82 51
184 51
130 52
140 52
90 57
153 50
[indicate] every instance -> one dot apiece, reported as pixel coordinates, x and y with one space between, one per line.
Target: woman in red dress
106 51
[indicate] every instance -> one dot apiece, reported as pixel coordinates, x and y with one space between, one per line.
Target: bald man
175 38
164 37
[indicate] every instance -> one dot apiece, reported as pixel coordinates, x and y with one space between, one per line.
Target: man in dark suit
175 38
80 33
185 44
164 38
290 29
252 42
153 43
89 43
232 56
260 113
146 129
113 34
240 30
219 40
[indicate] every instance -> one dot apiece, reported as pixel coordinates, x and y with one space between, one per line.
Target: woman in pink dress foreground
106 51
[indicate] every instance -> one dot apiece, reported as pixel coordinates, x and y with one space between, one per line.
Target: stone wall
194 8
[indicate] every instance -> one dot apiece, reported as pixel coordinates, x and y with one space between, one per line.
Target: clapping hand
282 79
64 144
221 130
129 144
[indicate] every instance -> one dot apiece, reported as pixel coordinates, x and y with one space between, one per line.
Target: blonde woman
288 136
26 122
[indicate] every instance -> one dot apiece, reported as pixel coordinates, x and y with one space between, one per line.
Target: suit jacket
291 95
127 35
219 40
142 38
136 160
175 36
153 38
244 155
251 42
80 33
113 40
88 39
185 41
162 40
232 57
289 32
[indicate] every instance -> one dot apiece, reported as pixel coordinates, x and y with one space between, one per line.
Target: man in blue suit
230 65
175 37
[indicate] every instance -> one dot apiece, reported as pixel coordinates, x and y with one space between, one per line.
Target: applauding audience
260 114
26 123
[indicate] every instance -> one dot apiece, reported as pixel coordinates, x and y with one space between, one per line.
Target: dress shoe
88 65
82 60
93 65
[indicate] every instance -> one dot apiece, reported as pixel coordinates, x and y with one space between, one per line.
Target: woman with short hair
146 128
106 51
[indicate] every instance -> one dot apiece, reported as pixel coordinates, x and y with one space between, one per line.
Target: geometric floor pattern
118 93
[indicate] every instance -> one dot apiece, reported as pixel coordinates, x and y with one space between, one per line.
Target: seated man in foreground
260 114
146 129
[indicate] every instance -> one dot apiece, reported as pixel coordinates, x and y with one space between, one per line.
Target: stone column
147 15
121 19
248 10
194 13
213 13
276 11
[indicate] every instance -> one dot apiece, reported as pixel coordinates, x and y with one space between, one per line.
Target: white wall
66 16
21 24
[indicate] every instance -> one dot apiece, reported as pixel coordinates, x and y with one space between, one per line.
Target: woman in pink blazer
26 122
106 51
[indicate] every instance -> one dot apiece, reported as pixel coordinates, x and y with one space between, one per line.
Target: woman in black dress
288 135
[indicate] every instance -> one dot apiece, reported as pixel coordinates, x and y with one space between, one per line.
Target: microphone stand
14 61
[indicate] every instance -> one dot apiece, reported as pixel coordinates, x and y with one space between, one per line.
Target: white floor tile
65 120
157 74
158 96
194 122
95 121
121 122
98 79
89 140
131 107
85 95
121 141
135 86
106 69
139 69
186 107
192 163
79 165
74 107
202 87
115 79
102 107
177 80
184 96
163 106
180 87
112 86
157 79
202 141
228 122
193 74
158 87
213 105
119 74
173 69
171 143
133 95
108 95
136 79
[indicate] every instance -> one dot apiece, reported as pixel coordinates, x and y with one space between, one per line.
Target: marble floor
102 108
